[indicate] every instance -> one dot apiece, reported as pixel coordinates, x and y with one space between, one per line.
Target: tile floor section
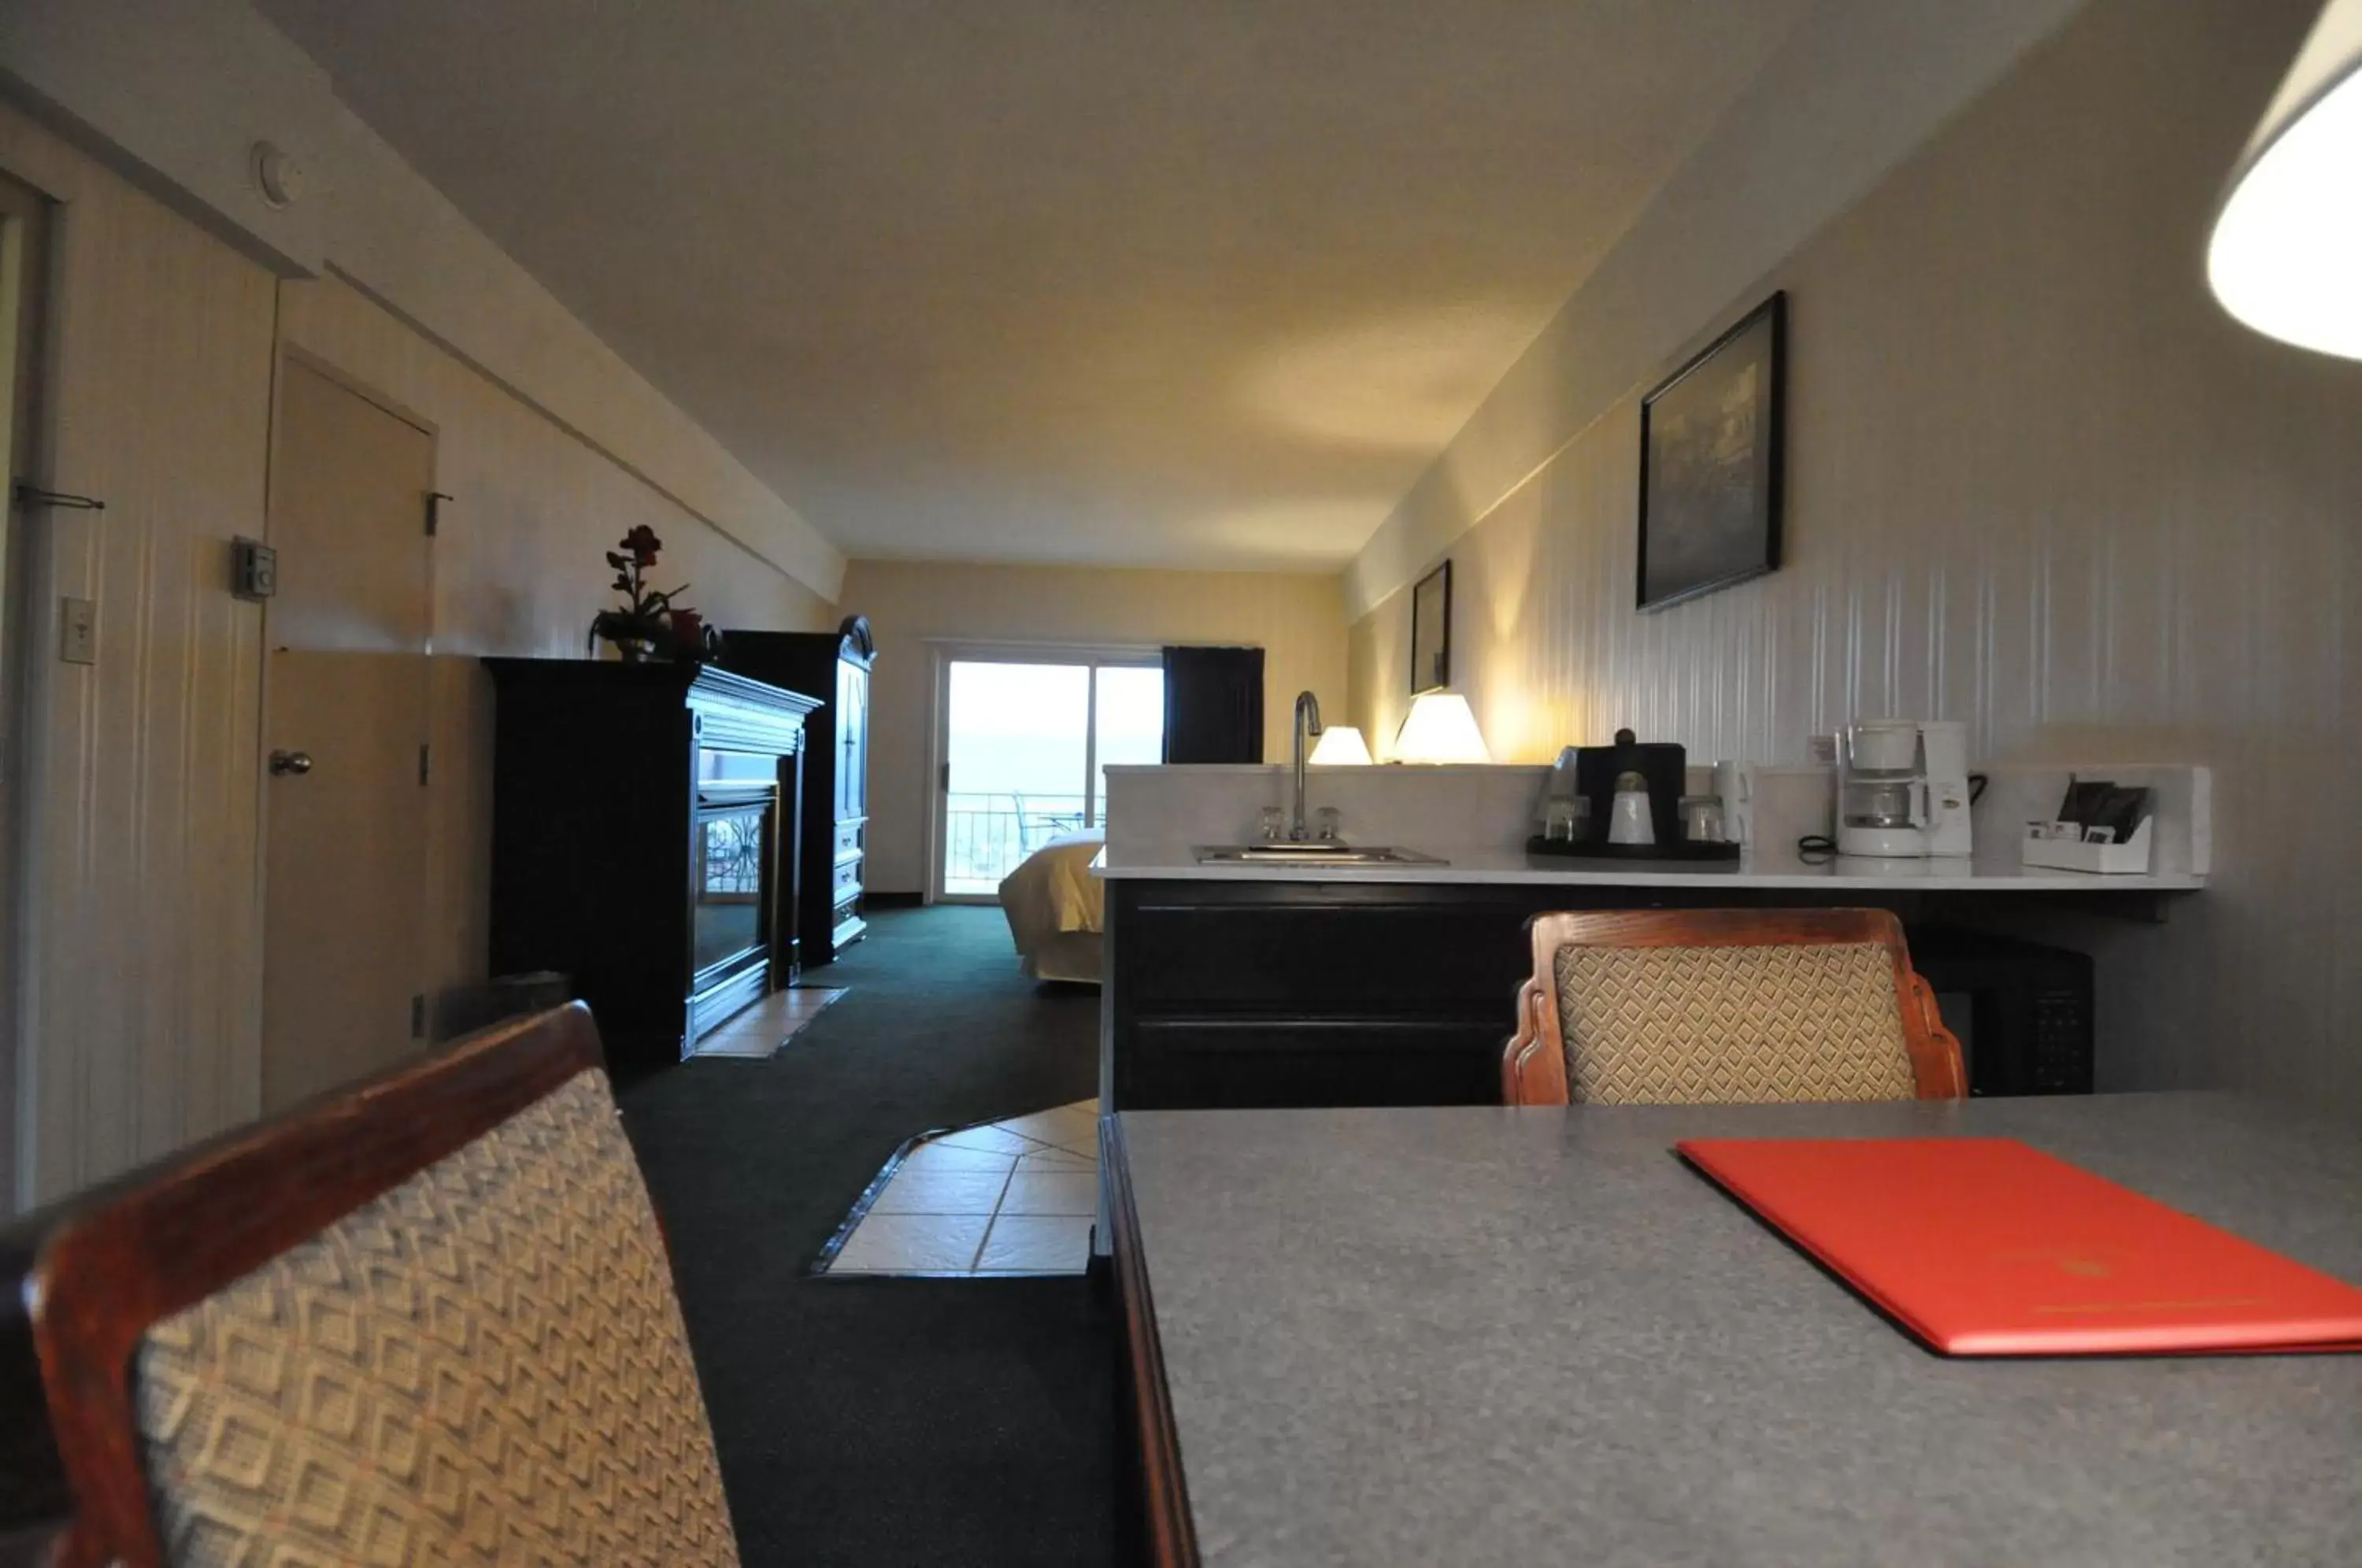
770 1023
1002 1197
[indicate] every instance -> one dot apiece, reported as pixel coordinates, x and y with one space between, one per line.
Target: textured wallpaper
2038 482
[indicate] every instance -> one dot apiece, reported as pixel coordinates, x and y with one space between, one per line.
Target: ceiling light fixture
2286 258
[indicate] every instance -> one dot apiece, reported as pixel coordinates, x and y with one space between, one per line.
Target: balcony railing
985 835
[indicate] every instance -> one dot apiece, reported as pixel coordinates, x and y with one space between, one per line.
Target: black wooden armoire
832 666
643 842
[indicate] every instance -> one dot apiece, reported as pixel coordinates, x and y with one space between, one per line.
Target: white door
346 721
1025 745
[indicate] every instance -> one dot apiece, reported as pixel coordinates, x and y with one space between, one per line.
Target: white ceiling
1147 281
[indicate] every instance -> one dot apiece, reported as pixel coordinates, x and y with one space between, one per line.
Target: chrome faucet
1307 723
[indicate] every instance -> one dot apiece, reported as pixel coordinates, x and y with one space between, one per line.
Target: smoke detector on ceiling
277 176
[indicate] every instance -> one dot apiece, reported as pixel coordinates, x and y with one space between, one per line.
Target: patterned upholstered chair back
1721 1007
481 1361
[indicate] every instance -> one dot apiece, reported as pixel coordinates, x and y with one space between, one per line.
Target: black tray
1593 849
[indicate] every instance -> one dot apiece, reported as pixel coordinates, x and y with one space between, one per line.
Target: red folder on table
1986 1246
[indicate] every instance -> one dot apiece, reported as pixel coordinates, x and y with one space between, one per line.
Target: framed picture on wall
1711 461
1430 631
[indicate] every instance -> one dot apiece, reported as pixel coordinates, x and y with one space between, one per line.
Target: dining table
1472 1334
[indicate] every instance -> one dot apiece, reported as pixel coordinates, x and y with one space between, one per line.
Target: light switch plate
77 631
254 568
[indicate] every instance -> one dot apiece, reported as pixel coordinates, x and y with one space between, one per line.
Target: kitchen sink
1312 852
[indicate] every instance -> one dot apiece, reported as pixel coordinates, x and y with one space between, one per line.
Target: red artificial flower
643 544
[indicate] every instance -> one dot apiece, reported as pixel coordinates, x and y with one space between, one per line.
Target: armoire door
852 741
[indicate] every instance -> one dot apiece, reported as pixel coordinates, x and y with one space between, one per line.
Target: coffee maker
1655 769
1902 788
1622 801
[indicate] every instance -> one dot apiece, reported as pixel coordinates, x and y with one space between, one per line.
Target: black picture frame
1430 631
1714 464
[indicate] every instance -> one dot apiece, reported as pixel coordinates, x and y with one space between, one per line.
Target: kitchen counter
1232 985
1476 819
1478 867
1470 1335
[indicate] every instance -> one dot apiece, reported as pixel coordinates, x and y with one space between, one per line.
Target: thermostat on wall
254 568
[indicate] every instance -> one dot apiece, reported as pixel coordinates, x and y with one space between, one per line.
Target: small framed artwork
1430 631
1711 463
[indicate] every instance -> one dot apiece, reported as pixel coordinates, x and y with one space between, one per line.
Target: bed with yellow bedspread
1057 910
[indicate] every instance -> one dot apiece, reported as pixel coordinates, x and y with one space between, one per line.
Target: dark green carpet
886 1421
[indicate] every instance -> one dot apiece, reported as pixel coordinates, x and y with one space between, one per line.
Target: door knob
290 762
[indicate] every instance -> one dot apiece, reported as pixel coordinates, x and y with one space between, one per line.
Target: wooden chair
428 1318
1708 1006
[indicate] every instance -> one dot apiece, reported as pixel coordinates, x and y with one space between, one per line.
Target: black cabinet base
1231 995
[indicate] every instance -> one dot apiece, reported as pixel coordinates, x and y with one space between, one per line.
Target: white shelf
1476 819
1496 867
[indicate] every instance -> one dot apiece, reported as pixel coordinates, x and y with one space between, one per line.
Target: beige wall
183 91
1297 620
2039 482
519 569
138 955
138 1018
1854 88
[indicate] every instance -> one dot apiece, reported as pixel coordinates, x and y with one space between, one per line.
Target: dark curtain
1213 705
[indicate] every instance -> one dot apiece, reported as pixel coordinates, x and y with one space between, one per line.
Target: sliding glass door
1026 739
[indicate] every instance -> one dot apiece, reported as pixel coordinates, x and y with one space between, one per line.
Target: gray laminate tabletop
1485 1336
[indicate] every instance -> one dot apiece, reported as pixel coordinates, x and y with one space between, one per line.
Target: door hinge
947 777
435 500
425 762
418 1016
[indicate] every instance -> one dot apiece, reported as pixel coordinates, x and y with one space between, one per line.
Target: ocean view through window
1027 743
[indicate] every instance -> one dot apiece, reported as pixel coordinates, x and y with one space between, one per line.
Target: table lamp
1340 746
2286 258
1440 728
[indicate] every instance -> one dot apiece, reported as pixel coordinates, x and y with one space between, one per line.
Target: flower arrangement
645 621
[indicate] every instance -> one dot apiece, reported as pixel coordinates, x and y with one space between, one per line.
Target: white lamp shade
2286 258
1340 746
1440 728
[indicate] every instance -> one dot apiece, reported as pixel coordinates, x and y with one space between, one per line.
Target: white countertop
1515 867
